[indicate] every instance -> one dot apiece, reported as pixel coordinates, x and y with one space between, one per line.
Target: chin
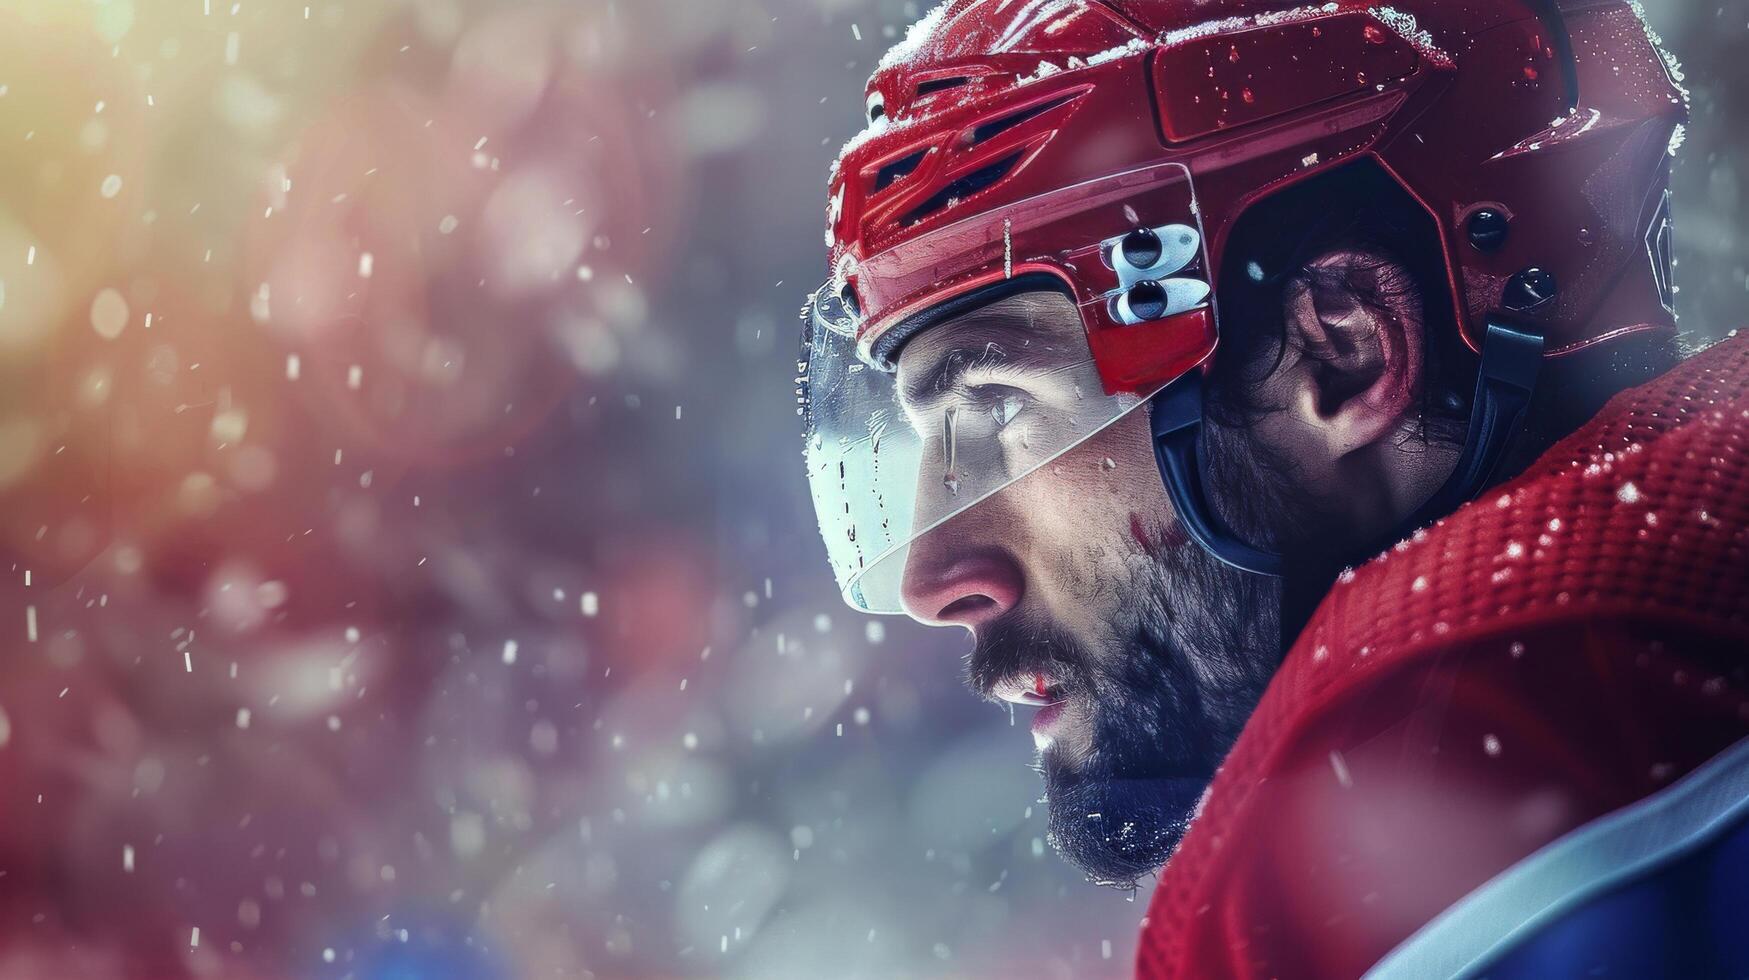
1117 828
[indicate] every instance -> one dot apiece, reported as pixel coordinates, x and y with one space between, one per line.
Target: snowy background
408 570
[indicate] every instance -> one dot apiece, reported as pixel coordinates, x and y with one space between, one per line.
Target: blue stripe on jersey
1657 888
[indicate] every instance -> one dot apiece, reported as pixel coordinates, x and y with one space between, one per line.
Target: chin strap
1511 358
1175 416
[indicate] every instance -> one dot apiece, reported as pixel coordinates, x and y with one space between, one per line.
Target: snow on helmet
1107 148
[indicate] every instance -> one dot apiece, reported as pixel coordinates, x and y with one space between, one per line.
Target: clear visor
977 403
981 399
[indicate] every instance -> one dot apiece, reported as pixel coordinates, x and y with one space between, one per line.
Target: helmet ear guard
1511 360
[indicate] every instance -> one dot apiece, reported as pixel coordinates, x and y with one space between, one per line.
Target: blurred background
408 570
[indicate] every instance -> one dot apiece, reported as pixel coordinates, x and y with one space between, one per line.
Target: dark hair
1271 250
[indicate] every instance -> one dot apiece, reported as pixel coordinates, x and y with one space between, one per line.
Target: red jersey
1565 647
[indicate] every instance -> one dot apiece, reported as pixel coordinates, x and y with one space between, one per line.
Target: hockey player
1287 399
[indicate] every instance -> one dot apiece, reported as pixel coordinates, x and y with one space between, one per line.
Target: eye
1003 408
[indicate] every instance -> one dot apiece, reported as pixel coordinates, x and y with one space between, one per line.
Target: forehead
1039 326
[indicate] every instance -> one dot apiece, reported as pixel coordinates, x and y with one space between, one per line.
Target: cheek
1105 499
1284 438
1132 483
1084 521
1110 482
1156 537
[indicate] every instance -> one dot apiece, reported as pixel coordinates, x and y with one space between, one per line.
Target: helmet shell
1559 117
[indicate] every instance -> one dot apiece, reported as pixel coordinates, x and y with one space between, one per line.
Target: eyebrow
952 366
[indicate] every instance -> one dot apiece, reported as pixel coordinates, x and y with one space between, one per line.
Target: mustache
1009 648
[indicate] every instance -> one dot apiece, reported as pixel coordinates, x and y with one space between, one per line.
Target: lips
1039 689
1044 724
1036 688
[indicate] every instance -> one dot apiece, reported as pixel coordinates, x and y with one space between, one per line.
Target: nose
948 586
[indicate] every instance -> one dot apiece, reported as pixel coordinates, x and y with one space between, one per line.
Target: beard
1161 702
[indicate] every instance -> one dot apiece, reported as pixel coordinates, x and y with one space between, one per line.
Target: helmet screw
1147 300
1530 291
1488 230
1141 248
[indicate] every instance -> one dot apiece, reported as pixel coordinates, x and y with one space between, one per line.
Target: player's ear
1352 356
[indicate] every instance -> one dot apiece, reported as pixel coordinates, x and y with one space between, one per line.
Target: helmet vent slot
940 84
964 187
996 127
898 170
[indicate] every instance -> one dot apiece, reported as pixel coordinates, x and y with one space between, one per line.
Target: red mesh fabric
1621 553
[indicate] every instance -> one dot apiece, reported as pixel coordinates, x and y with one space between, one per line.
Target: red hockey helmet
1108 147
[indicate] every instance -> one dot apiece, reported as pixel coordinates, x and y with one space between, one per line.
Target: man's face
1082 594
